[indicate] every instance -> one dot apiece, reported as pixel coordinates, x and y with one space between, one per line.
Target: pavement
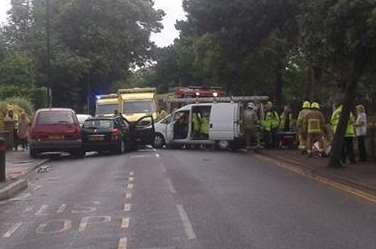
181 199
361 175
19 166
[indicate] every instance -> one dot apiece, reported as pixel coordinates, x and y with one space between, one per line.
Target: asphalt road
171 199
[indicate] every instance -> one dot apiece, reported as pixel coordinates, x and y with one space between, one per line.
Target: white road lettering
42 210
12 230
122 243
62 208
186 223
79 209
89 220
45 228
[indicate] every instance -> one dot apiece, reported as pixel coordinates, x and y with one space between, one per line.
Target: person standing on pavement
270 126
302 135
361 131
314 126
23 130
348 146
250 121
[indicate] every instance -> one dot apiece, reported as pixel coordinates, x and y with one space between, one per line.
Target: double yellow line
324 180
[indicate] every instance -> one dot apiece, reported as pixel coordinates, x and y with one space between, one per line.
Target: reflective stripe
314 126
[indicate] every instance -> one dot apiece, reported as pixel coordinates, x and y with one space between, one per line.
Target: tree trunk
351 87
278 88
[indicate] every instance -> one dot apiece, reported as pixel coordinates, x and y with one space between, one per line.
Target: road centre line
130 186
131 173
186 223
131 179
128 195
127 207
12 230
170 186
125 222
122 243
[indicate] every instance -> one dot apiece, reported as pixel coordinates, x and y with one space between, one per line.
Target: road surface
169 199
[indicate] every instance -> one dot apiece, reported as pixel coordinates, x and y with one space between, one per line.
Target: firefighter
250 120
348 146
302 135
314 126
270 125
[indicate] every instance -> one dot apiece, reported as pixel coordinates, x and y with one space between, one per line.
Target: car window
98 124
55 117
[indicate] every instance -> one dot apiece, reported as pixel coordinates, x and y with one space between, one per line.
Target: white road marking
131 173
35 187
41 211
186 223
83 209
125 222
62 208
157 155
154 149
163 168
127 207
12 230
130 186
22 197
67 225
28 209
131 179
85 221
122 243
170 186
128 195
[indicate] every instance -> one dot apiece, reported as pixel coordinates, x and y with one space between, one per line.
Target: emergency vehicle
106 105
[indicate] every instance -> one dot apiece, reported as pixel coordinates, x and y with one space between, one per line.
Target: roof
55 109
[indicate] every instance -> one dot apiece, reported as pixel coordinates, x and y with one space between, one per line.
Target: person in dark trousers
348 146
361 131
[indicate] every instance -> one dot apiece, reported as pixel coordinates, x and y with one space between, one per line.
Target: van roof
187 107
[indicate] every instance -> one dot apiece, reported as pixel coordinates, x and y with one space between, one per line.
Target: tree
340 36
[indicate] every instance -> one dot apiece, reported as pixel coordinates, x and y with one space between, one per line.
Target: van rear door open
223 120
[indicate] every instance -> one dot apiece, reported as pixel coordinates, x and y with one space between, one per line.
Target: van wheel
222 145
33 153
159 141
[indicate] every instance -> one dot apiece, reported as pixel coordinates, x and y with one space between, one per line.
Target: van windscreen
57 117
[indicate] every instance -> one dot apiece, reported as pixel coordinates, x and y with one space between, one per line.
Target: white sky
173 8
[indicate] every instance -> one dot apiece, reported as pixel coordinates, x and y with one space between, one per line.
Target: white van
224 126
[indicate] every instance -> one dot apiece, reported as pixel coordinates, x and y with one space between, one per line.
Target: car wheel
33 153
79 153
159 141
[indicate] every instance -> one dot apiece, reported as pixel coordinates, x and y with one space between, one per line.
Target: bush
23 103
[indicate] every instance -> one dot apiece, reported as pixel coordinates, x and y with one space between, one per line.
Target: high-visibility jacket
314 122
334 121
271 121
196 127
204 127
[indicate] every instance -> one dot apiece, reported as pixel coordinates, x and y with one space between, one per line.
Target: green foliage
16 69
25 104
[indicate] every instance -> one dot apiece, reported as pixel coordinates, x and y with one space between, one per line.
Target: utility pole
48 51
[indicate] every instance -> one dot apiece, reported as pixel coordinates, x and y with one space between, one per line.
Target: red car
56 130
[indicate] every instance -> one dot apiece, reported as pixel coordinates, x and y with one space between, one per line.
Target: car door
143 131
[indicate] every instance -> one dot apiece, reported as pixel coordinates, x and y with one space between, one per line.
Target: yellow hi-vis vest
334 121
204 127
271 121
